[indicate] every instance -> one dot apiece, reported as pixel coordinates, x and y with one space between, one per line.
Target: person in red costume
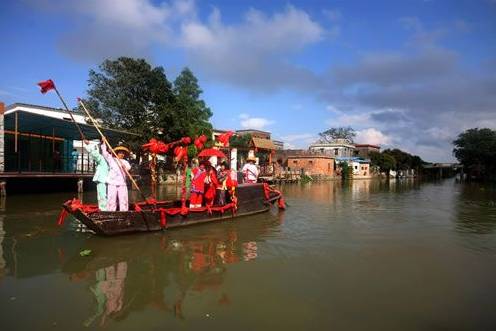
197 186
212 184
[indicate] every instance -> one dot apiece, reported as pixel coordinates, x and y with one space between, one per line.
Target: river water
368 255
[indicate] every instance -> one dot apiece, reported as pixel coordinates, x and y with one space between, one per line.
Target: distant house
278 144
261 147
321 165
360 166
363 150
336 148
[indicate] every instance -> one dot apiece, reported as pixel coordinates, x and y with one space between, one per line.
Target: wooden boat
161 215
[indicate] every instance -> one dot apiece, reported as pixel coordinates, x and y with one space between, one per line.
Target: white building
336 148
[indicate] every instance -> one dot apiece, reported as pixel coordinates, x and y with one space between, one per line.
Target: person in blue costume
101 174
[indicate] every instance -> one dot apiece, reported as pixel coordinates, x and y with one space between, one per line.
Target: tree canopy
332 134
395 159
404 160
240 141
384 161
130 94
475 149
190 115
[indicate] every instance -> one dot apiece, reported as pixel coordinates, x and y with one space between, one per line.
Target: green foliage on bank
240 141
395 159
346 171
475 149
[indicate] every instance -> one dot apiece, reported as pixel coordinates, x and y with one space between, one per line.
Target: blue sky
410 74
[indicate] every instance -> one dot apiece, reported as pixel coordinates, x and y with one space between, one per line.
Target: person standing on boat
197 186
101 174
250 170
116 181
223 176
211 184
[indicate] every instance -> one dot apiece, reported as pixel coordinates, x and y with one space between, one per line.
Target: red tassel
62 216
266 188
281 203
137 208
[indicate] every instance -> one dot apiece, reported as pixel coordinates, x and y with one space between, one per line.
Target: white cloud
298 140
254 52
257 123
108 28
372 136
299 137
355 120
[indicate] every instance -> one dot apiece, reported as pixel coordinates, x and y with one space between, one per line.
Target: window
310 162
295 162
356 167
336 151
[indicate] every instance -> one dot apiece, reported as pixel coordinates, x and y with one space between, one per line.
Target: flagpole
70 113
111 149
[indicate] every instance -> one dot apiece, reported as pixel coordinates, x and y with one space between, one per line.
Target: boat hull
252 199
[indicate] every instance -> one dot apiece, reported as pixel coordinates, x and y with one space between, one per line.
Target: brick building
321 165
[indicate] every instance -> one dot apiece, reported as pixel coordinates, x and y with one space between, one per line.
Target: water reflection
166 268
476 208
332 191
3 263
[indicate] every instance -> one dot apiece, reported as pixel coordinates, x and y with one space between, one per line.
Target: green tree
332 134
129 94
240 141
190 115
388 163
346 170
384 161
475 149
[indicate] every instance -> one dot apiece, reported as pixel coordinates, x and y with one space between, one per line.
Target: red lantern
186 140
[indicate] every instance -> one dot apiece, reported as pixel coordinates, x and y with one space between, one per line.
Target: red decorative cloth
224 138
156 146
181 153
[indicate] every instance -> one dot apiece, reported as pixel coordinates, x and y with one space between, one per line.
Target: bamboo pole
111 149
15 130
70 113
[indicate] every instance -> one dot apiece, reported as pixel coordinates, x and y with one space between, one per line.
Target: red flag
46 85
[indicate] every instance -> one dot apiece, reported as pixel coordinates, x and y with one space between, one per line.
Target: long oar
111 149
